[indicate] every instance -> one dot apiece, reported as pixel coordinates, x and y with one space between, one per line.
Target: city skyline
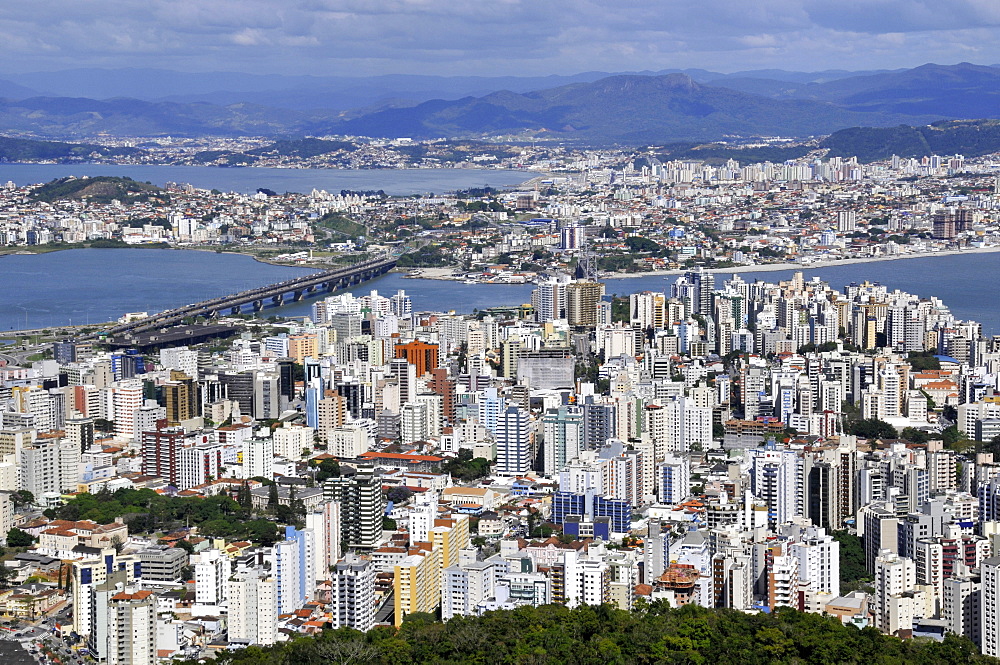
336 37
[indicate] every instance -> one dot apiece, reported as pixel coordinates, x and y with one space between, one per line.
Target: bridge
293 289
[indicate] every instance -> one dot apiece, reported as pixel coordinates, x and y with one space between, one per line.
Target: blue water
398 182
85 286
95 285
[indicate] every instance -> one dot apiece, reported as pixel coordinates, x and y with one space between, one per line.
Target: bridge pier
311 288
297 295
238 309
278 300
258 305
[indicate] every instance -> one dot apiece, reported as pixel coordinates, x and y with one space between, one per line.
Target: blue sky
494 37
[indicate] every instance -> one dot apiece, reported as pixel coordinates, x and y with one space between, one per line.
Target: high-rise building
132 628
324 524
253 607
465 585
180 398
846 221
894 576
961 606
211 570
513 442
258 458
362 505
416 582
581 303
818 555
81 432
199 464
562 432
6 516
353 594
673 479
41 469
423 356
161 452
990 612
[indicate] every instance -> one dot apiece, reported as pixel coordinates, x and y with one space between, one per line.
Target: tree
327 468
872 428
399 494
951 435
852 559
914 435
18 538
640 244
244 497
6 575
464 467
272 496
22 498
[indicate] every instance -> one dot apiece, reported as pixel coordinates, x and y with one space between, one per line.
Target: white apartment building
253 611
132 628
465 586
353 595
211 570
990 631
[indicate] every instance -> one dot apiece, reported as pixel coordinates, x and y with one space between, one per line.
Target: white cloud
495 37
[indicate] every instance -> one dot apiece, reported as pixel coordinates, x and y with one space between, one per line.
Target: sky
494 37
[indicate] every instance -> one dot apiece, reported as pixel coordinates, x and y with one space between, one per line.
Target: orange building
421 355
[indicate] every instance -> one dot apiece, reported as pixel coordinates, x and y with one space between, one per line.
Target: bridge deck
332 279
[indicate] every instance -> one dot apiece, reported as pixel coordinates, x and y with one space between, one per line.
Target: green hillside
971 138
29 150
658 634
100 189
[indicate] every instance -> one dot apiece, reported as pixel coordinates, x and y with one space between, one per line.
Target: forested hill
30 150
99 189
657 634
971 138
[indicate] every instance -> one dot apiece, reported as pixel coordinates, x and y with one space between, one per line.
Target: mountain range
591 107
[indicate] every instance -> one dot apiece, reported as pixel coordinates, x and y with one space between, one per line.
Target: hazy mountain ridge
621 108
302 92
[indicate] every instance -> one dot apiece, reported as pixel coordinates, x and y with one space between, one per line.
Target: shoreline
778 267
444 274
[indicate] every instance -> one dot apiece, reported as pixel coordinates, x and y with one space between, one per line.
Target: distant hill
717 153
868 144
301 148
101 189
646 108
628 109
343 93
28 150
954 91
11 90
72 117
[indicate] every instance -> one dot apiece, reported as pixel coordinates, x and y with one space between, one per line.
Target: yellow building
416 582
302 346
450 535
